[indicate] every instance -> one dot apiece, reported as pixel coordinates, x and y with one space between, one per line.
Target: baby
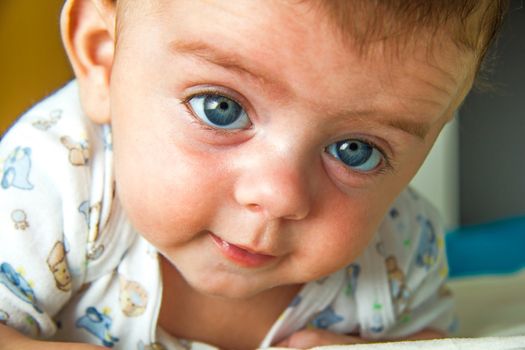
233 174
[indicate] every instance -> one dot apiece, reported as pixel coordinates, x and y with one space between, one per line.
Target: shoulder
69 162
412 244
47 164
412 229
51 134
56 183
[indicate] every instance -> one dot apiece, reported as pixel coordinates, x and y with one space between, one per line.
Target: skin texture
14 340
270 187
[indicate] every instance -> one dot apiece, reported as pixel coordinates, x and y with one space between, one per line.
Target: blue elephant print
325 318
16 169
17 285
99 325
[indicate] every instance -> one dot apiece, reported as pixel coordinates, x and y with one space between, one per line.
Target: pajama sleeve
413 248
52 207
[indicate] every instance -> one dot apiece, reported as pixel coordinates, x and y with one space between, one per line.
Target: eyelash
385 168
218 131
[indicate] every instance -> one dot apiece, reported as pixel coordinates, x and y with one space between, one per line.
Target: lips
241 256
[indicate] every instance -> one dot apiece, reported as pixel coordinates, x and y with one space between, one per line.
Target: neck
232 324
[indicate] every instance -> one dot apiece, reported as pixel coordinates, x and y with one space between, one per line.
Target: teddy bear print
19 218
133 298
91 214
397 280
58 267
47 123
78 151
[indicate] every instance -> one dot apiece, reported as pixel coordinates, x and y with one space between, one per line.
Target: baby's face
254 149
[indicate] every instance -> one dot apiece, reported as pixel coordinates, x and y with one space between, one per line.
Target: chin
225 288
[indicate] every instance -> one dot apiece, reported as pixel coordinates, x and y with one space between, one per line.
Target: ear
88 34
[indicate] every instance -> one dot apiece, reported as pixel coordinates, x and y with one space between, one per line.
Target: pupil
354 153
221 111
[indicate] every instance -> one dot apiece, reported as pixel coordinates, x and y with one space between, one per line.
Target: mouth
240 255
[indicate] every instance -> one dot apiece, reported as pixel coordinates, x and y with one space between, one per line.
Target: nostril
254 207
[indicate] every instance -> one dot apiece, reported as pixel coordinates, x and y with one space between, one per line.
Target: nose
276 186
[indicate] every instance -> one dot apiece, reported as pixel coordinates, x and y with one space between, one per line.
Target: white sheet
490 305
494 343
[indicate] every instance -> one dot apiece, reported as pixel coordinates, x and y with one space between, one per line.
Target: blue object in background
492 248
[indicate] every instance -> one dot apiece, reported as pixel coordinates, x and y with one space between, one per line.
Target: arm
309 338
11 339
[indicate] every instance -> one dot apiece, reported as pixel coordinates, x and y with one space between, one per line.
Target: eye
356 154
219 111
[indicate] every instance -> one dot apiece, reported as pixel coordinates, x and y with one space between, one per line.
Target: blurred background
492 133
475 173
32 61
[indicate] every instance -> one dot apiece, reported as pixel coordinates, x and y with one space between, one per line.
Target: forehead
293 46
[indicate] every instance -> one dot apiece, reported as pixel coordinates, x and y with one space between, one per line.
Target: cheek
343 229
163 188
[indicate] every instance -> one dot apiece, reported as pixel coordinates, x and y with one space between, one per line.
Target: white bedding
490 305
494 343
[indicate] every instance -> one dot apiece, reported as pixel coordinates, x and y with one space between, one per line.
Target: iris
356 154
219 111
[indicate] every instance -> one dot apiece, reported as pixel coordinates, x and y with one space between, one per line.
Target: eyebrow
218 56
420 130
228 60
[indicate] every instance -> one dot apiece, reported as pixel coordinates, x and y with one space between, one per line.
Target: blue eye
219 111
356 154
